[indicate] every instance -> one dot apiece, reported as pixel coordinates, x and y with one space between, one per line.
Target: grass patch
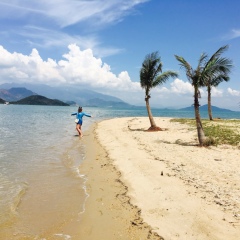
220 131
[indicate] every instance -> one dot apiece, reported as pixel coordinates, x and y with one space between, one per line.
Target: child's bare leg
78 127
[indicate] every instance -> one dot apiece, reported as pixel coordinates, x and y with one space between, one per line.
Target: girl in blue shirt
79 116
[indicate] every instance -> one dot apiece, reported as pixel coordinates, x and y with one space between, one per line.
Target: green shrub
217 132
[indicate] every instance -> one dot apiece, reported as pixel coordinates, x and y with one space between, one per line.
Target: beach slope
183 191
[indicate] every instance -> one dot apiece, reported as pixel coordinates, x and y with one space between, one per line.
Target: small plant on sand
209 141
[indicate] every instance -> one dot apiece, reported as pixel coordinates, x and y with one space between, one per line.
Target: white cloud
69 12
32 68
216 92
233 92
51 39
232 34
82 68
235 33
181 87
163 90
76 67
49 23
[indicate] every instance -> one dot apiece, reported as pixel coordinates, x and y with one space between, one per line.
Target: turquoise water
41 185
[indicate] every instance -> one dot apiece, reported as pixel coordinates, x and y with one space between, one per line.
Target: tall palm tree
151 75
214 68
220 74
195 78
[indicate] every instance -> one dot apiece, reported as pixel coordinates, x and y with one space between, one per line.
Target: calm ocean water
41 186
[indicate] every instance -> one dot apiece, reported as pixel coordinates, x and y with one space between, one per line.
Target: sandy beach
159 185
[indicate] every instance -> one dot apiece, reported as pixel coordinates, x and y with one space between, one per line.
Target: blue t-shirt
79 116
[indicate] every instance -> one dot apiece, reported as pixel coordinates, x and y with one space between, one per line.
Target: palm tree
215 68
151 75
195 78
221 74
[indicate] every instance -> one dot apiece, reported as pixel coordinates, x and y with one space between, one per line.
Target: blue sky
101 44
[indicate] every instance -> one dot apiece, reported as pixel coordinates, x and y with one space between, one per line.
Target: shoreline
109 213
180 192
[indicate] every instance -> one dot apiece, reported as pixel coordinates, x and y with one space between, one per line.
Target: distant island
39 100
2 101
205 108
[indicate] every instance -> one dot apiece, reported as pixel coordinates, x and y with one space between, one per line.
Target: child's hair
79 109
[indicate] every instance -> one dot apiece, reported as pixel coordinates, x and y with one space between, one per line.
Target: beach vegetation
217 133
214 68
151 76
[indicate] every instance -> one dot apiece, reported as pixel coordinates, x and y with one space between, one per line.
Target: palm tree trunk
200 132
209 103
153 127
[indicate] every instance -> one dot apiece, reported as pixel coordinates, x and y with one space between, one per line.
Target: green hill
40 100
2 101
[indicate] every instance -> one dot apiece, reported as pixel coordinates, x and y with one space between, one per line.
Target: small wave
85 200
72 159
11 194
20 191
63 236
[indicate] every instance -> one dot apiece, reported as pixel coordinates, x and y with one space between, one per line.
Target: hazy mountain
14 94
40 100
102 103
205 108
78 95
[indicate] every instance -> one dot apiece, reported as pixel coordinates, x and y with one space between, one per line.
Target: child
79 116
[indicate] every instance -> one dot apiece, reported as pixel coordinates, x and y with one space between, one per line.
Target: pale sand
144 185
183 191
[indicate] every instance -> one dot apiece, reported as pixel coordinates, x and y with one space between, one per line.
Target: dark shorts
80 122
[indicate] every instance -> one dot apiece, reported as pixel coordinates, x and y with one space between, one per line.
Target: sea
42 190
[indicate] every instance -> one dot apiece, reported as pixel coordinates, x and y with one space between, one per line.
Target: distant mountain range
11 92
15 94
73 95
205 108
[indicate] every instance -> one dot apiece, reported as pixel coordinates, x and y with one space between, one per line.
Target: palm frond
162 78
150 68
184 64
219 52
149 73
224 64
218 68
218 79
201 60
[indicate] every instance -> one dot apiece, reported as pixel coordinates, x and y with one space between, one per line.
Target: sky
100 45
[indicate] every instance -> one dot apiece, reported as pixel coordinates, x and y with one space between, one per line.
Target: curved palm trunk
200 132
209 103
153 127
